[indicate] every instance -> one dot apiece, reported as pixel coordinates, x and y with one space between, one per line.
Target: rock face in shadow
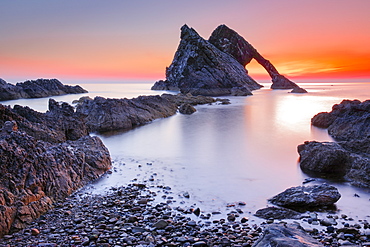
307 197
43 160
230 42
200 68
287 235
36 89
349 123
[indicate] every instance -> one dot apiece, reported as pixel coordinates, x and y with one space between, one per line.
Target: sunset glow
131 40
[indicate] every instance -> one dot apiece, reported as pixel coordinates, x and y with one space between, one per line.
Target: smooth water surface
245 151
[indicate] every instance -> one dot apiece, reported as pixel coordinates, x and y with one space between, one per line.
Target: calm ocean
222 154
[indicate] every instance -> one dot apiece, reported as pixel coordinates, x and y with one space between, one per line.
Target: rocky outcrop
349 158
230 42
36 89
103 114
204 67
287 235
37 168
200 68
348 120
34 174
190 99
60 123
303 198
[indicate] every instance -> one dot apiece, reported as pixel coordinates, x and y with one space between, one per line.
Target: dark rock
307 197
36 89
323 120
230 42
200 68
298 90
277 213
348 120
187 109
44 158
34 174
112 114
58 124
349 123
287 235
324 158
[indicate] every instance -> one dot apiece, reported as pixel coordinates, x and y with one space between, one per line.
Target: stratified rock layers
42 160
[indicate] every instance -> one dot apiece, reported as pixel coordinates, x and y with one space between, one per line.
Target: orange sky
127 40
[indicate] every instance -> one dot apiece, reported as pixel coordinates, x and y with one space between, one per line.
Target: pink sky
127 40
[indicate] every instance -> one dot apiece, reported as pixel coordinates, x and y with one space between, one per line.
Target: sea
223 154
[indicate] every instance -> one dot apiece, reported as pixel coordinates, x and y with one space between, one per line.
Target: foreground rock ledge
43 160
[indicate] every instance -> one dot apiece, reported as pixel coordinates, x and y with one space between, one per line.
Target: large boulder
36 89
200 68
230 42
347 160
307 197
325 158
35 173
287 235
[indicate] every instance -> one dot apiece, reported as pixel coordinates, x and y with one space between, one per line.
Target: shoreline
152 214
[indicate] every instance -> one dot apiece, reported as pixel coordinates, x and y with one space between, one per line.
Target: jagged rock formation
36 89
349 123
303 198
37 168
200 68
287 235
60 123
230 42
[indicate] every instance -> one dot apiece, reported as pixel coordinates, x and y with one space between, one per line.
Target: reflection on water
245 151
